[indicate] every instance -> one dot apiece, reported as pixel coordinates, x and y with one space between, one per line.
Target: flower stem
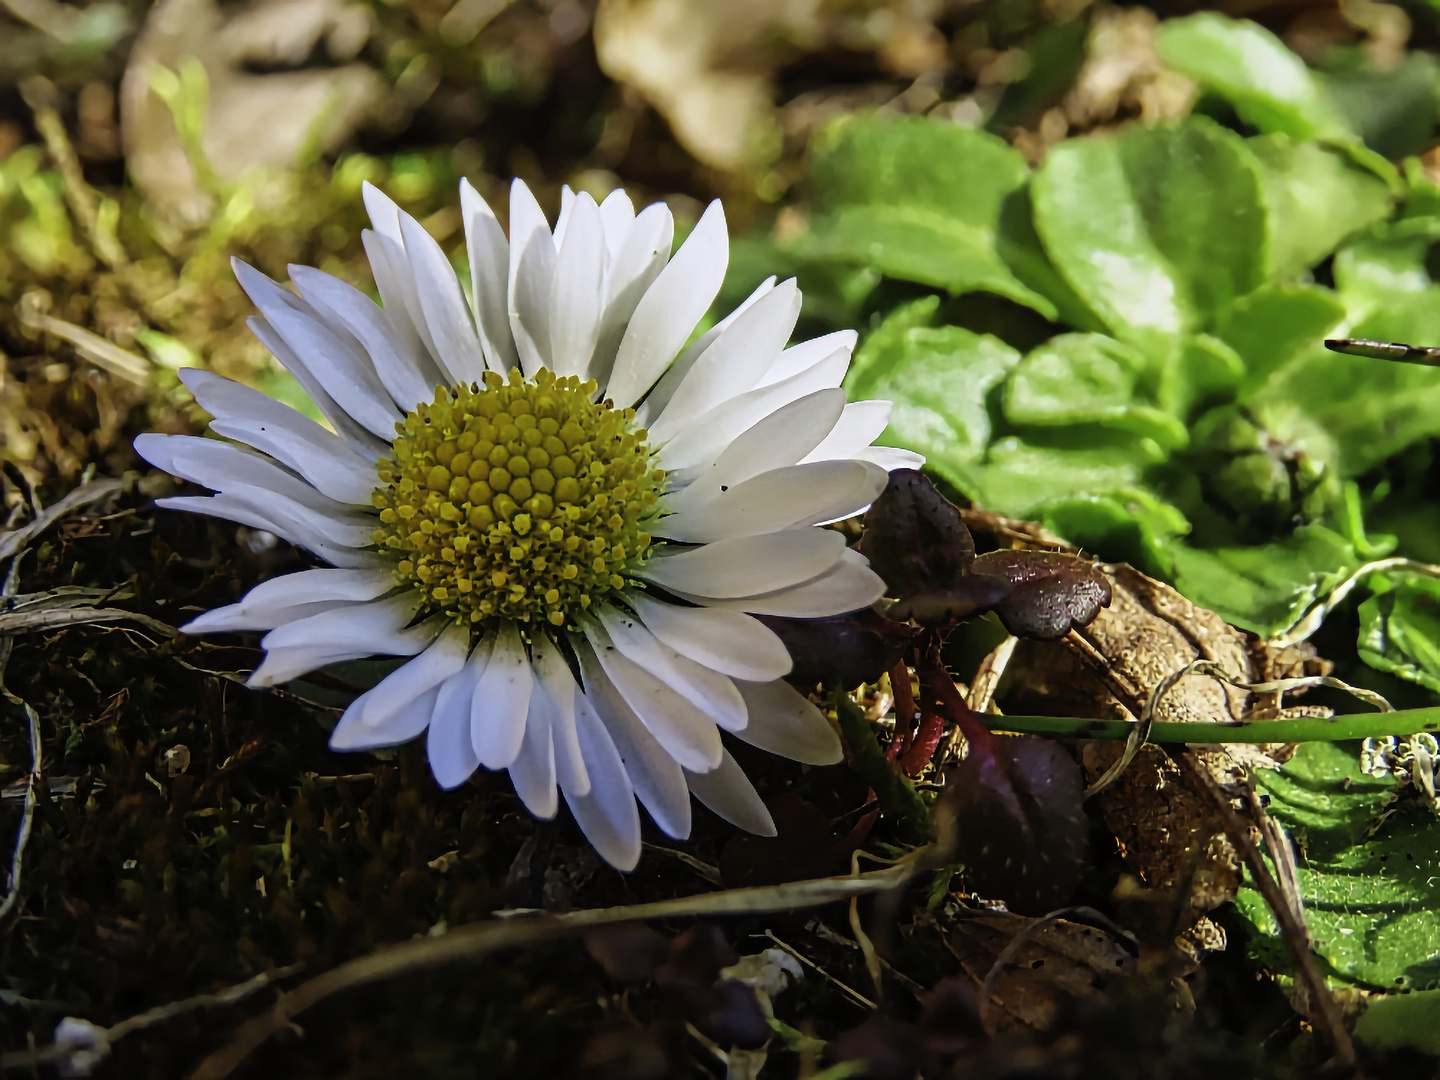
1305 729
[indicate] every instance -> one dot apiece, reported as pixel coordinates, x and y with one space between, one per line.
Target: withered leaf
914 537
1050 591
1019 826
846 649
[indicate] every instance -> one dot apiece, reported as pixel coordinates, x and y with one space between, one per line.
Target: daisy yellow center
521 500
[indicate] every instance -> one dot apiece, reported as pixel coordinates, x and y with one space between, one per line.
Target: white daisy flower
565 514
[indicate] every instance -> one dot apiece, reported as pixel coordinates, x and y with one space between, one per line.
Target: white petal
747 565
687 734
562 222
447 744
795 495
805 355
489 278
279 600
606 814
290 437
891 458
533 770
343 371
408 373
352 734
784 722
730 642
554 680
735 362
617 214
670 308
658 398
575 290
395 281
658 780
532 267
858 426
432 667
446 314
780 439
705 438
389 262
346 426
233 470
502 701
707 689
283 517
631 272
847 586
727 791
374 629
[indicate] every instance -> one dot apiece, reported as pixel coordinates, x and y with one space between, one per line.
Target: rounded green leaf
1270 87
1086 379
1158 229
919 200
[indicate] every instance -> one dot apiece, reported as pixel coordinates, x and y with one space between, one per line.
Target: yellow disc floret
519 500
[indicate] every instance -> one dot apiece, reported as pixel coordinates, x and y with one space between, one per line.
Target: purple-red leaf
847 649
1019 826
973 594
914 537
1050 591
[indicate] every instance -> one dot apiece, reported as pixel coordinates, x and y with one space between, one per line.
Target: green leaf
1394 111
1138 528
1087 379
1371 270
1019 245
1370 409
1270 87
1316 197
1396 1020
939 380
1158 229
1400 629
1372 904
1204 370
1271 325
918 200
1265 587
1020 477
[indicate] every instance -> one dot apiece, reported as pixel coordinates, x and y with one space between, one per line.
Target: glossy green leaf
919 200
1271 325
1087 379
1269 86
1400 629
1372 903
939 380
1372 270
1316 197
1264 587
1157 229
1394 111
1133 527
1022 476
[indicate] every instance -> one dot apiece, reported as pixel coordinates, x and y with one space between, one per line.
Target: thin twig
855 995
12 542
27 816
1311 621
1329 1024
106 1038
470 943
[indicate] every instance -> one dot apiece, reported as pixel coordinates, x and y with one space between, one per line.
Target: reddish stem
904 710
914 760
938 686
